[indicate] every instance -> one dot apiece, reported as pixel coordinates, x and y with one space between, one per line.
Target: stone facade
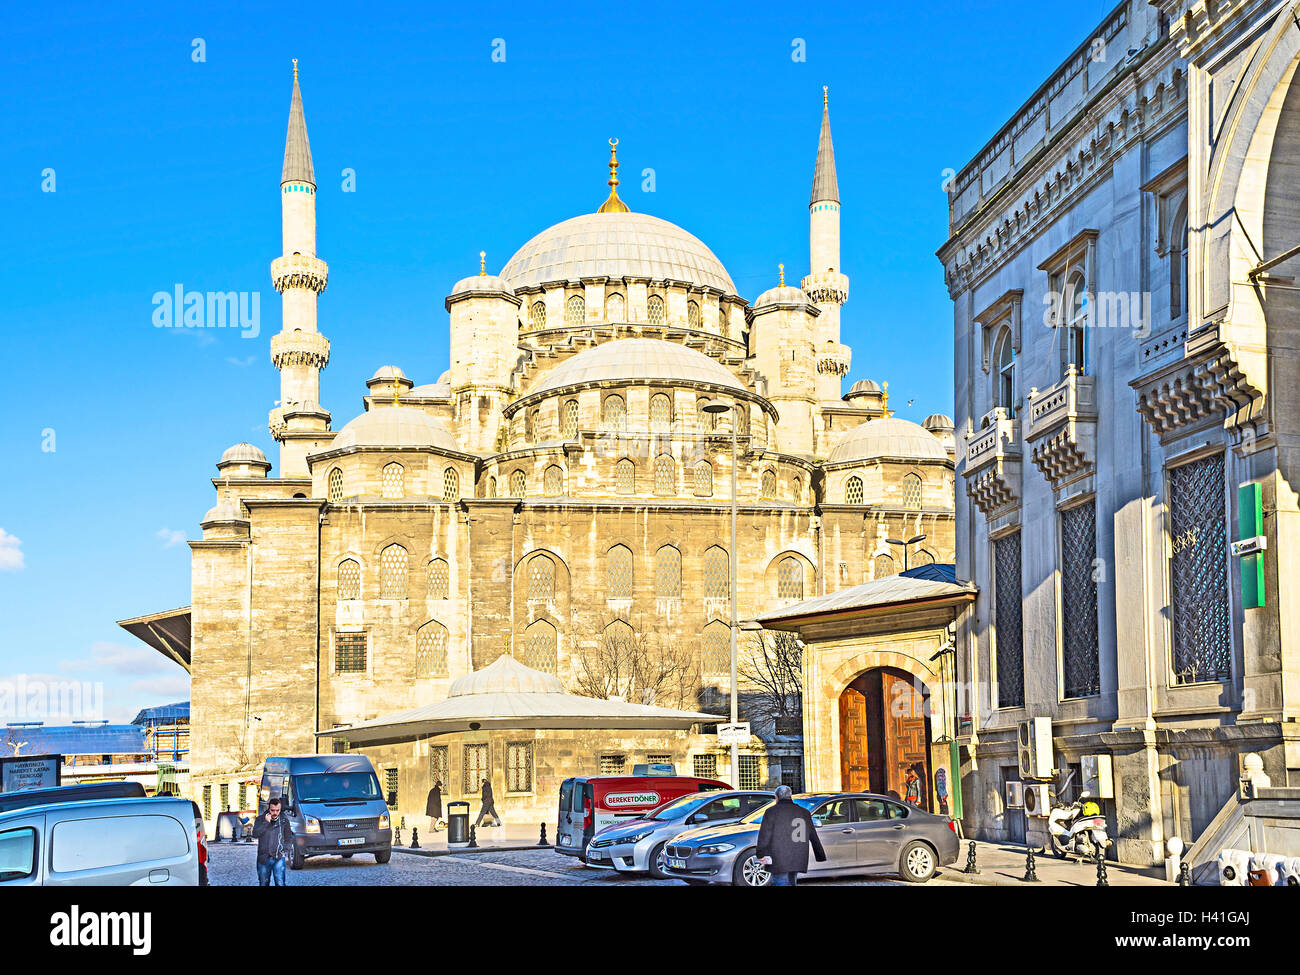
1122 342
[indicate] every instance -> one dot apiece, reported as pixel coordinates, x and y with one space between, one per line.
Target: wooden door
907 739
854 772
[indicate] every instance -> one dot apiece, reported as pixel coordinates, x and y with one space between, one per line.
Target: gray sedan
861 833
637 845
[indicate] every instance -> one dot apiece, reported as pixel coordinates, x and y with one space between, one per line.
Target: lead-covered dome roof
616 245
888 436
637 360
395 426
506 675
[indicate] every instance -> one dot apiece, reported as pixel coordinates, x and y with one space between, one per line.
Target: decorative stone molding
1206 385
834 360
299 271
826 287
992 464
1003 312
1063 428
300 349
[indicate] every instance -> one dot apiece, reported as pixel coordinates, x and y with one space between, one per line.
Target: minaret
300 352
827 287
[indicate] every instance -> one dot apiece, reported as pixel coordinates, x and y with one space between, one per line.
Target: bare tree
773 670
638 667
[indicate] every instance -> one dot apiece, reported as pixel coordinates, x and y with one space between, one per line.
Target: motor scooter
1077 827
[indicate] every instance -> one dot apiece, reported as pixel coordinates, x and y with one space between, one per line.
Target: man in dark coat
433 807
489 806
274 844
784 837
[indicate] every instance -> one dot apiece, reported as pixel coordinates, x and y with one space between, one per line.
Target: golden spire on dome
781 269
482 264
884 399
295 69
397 392
613 204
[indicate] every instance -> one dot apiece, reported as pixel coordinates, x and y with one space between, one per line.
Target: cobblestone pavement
235 866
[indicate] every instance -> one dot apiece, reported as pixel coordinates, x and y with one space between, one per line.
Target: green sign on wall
1250 525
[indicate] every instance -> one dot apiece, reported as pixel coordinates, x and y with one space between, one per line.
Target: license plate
676 864
566 839
596 855
353 841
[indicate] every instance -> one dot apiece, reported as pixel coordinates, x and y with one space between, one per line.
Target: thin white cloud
173 687
11 553
170 536
114 658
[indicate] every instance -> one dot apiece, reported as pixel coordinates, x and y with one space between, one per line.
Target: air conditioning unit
1098 776
1038 802
1034 746
1015 795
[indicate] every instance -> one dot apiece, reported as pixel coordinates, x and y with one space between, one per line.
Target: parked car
861 833
637 845
201 837
334 805
590 803
100 843
70 793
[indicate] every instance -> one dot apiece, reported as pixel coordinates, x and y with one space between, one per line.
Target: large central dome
616 245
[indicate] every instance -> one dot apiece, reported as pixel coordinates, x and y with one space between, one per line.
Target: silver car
637 845
860 832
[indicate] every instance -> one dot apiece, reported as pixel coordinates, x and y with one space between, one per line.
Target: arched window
789 578
540 647
541 579
619 638
717 573
654 310
518 484
439 579
692 314
1074 331
924 558
615 308
392 572
912 491
742 421
1178 264
625 477
569 419
769 485
614 413
335 486
724 329
1004 393
530 425
431 650
665 476
619 561
575 310
537 314
392 481
796 490
715 652
450 485
349 585
884 566
705 420
553 482
491 487
668 573
661 413
853 490
704 479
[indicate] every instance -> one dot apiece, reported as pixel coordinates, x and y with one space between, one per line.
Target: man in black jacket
274 844
784 837
489 807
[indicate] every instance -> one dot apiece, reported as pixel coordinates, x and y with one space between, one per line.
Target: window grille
541 578
668 573
1008 605
553 481
620 572
704 420
912 491
569 419
665 476
789 578
349 579
717 574
1080 659
393 481
492 487
792 772
853 490
658 758
796 490
704 766
390 788
769 485
431 650
661 413
519 766
1198 572
439 768
575 311
704 479
225 796
715 656
207 802
392 572
474 769
537 314
540 647
750 771
439 579
625 477
450 485
724 328
614 413
615 308
350 653
884 567
612 764
336 486
655 310
518 484
692 314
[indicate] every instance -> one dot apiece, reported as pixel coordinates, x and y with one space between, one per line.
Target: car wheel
658 861
918 862
383 856
296 860
750 871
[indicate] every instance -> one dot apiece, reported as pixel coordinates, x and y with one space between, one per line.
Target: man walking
274 844
784 837
433 805
489 807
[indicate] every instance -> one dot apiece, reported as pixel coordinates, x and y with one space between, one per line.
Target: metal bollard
970 859
397 838
1031 870
473 838
542 840
1184 875
1101 868
415 838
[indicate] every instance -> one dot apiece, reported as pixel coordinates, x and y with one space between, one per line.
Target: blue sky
166 173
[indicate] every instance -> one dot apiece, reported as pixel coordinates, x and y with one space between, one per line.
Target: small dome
638 360
506 675
244 453
888 436
224 511
395 426
388 374
481 282
938 423
442 390
865 387
785 295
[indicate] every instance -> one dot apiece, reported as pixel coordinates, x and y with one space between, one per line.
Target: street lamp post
716 408
906 543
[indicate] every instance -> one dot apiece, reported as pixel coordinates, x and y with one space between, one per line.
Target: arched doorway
884 731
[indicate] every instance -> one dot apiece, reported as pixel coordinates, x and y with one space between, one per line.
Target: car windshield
335 786
680 807
757 815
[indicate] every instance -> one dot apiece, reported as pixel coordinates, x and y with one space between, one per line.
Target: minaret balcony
300 349
834 360
826 287
1062 430
992 463
299 271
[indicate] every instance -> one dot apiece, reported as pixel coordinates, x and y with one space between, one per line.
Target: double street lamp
906 543
716 408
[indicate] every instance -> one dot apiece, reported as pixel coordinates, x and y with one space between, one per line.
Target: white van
100 843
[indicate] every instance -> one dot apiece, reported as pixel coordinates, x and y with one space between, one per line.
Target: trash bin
458 824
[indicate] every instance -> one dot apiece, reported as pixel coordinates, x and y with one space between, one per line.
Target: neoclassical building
1121 259
560 493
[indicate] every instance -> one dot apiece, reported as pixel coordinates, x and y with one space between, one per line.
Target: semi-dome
888 436
616 245
638 360
243 453
224 510
395 426
506 675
